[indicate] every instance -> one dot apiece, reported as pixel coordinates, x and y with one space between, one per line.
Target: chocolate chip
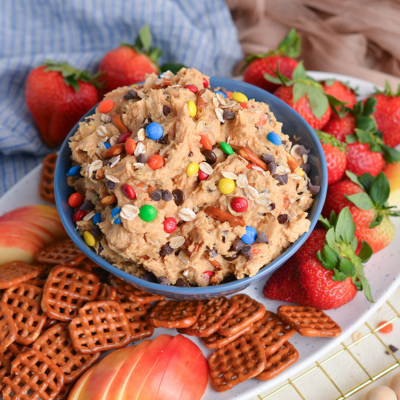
163 280
111 185
87 205
300 193
166 250
392 348
166 195
267 158
238 245
100 249
141 158
181 283
190 154
272 206
106 162
156 195
131 95
211 89
166 110
283 219
228 115
146 122
286 145
282 179
213 253
313 189
306 168
302 150
149 277
179 197
272 167
96 231
247 252
163 140
223 90
262 238
210 156
231 257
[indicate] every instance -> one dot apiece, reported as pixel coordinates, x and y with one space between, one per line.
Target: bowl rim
233 286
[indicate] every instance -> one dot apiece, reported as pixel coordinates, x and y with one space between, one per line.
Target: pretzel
8 329
32 371
56 344
76 261
249 156
283 358
23 301
45 270
249 311
136 314
133 294
64 392
16 272
272 332
106 292
237 362
309 321
46 186
37 282
118 123
5 362
215 313
200 103
113 151
175 314
100 326
66 290
50 322
217 341
220 215
58 253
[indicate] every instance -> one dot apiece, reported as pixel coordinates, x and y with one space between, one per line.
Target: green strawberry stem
388 90
71 74
327 138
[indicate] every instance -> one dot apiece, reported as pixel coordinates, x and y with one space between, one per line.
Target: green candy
226 148
147 213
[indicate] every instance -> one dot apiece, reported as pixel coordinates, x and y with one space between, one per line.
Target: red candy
192 88
124 137
170 225
239 204
128 191
202 175
208 273
78 215
75 200
205 83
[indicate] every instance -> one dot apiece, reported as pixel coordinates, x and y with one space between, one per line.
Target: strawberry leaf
345 227
255 56
330 239
354 178
380 190
318 100
174 68
369 106
145 38
361 200
339 276
329 82
346 267
376 221
325 222
273 79
290 45
352 138
299 90
366 288
329 258
327 138
389 154
365 252
366 181
299 72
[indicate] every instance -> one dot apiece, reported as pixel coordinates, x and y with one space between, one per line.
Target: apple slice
46 235
22 233
34 211
9 254
75 393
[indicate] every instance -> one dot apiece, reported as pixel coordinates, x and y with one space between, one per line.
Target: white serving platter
382 271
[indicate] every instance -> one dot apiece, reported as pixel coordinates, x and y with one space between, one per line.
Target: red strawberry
128 64
366 198
341 91
335 156
340 127
257 65
361 159
387 115
58 95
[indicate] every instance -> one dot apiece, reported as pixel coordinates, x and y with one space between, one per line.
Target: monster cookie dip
188 184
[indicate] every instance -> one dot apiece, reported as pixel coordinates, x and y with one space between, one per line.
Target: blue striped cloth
199 34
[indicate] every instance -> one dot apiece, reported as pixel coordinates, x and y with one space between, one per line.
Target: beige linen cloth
360 38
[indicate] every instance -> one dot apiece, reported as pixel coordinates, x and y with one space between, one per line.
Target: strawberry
387 115
335 156
341 91
129 64
366 198
361 159
257 65
340 127
58 95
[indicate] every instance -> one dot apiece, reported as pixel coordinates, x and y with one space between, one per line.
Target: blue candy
274 138
107 145
221 93
74 171
97 218
115 215
250 236
154 131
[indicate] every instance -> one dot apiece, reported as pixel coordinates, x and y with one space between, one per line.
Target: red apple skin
196 379
20 242
44 233
33 211
76 391
19 231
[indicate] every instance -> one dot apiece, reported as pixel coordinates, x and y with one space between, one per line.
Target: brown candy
46 187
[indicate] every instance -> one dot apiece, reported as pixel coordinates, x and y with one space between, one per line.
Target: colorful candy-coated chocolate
97 218
192 88
226 148
239 97
170 225
147 213
124 137
206 142
89 238
274 138
75 200
74 171
78 215
239 204
154 131
156 161
192 108
202 176
115 215
250 236
106 106
192 168
244 105
107 145
128 191
226 185
221 93
205 83
130 146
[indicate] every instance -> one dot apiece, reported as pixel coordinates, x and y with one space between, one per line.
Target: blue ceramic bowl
293 125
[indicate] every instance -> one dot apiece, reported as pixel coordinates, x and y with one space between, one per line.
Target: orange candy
387 329
244 105
130 146
156 161
75 200
262 120
206 142
106 106
229 94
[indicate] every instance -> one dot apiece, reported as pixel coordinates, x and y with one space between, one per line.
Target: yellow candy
192 168
299 171
89 238
239 97
192 108
226 185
